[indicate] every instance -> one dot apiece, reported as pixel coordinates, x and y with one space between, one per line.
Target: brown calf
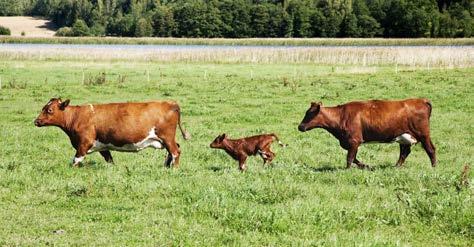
125 127
355 123
240 149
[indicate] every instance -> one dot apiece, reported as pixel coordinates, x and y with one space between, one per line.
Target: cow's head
219 141
311 118
52 113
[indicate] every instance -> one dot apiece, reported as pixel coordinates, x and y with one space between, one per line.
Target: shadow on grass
332 168
49 25
95 165
216 168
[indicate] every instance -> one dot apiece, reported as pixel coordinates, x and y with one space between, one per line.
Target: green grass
304 198
246 41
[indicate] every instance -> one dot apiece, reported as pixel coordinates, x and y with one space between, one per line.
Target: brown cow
355 123
240 149
125 127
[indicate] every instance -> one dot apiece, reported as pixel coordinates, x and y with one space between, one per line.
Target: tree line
253 18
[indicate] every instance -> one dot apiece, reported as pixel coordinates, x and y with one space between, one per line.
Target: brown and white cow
359 122
125 127
240 149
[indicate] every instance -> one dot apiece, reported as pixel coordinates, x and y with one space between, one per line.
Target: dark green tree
197 19
236 18
300 12
349 26
143 28
163 22
80 28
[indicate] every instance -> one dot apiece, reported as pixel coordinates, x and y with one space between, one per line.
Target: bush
65 31
4 31
80 28
97 30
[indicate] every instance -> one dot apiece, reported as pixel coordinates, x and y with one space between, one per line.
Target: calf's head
52 113
219 141
312 117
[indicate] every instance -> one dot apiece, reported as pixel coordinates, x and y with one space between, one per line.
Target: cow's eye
50 111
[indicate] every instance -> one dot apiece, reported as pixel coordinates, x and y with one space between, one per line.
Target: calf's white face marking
406 139
151 140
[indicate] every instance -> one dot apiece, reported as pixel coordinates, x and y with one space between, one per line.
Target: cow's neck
229 147
67 125
331 121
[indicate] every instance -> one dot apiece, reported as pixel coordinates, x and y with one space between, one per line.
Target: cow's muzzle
302 128
38 123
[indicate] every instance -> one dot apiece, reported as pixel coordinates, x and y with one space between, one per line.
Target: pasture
305 198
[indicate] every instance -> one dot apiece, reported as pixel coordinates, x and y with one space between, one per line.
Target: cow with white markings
405 121
124 127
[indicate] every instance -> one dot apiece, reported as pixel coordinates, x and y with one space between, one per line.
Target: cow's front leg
360 164
351 155
81 152
242 166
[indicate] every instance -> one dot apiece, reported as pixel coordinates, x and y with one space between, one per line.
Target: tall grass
247 41
423 56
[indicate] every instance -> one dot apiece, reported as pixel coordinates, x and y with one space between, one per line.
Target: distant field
31 26
305 198
365 57
245 41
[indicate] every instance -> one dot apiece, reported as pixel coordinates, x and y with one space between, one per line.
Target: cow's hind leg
173 153
107 156
430 149
267 155
404 152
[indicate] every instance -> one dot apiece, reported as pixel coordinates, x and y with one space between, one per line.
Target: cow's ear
223 136
316 104
64 104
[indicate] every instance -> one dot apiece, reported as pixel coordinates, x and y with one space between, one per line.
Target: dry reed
420 56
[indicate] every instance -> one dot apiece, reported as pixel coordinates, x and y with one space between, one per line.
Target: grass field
304 198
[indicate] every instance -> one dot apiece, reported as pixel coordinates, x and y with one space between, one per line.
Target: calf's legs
242 165
267 155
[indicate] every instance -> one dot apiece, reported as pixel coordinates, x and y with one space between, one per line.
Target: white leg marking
173 158
77 160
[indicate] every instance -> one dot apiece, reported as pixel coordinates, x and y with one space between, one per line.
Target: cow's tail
184 133
278 140
430 106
